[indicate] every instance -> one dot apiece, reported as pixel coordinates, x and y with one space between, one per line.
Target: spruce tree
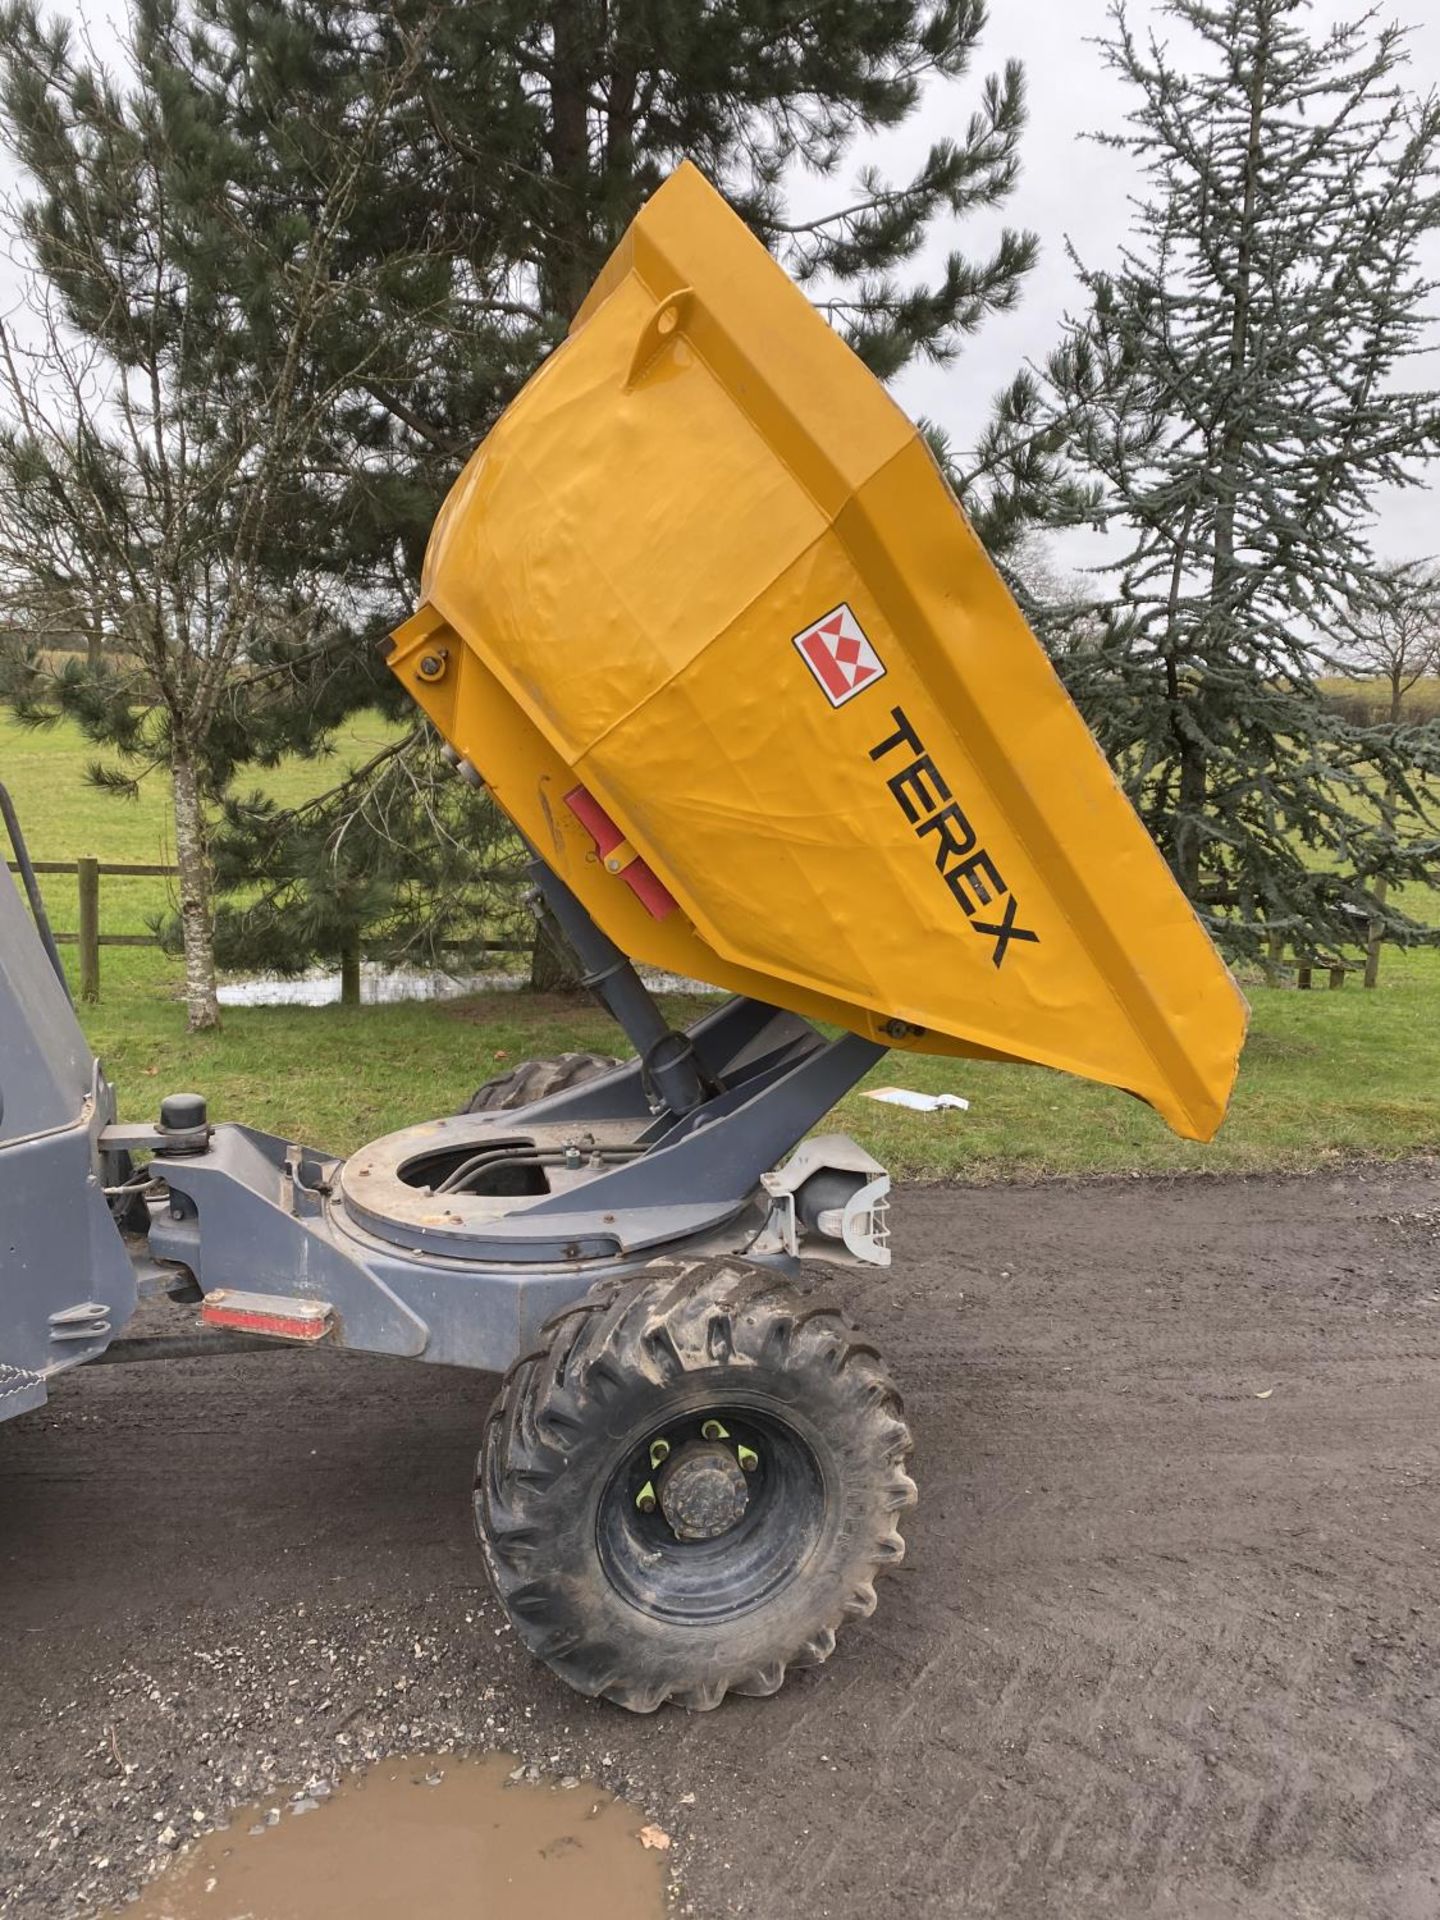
1238 391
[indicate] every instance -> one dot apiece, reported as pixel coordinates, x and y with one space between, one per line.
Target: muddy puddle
436 1837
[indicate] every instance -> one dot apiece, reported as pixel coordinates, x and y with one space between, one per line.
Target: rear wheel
537 1080
692 1487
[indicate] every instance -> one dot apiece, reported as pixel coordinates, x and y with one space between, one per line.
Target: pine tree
415 875
396 211
532 136
1237 390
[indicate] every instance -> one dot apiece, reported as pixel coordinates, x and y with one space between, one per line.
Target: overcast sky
1069 188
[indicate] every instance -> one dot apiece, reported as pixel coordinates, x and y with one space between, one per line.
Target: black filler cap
182 1112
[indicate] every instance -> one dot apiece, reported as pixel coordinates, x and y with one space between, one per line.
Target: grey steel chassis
452 1241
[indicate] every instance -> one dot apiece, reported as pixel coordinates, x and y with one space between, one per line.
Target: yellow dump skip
706 616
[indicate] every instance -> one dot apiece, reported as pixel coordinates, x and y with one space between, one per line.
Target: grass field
1326 1076
1422 701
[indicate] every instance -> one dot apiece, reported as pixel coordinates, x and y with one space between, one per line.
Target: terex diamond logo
840 657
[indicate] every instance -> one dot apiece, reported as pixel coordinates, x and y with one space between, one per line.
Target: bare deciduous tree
1393 636
145 466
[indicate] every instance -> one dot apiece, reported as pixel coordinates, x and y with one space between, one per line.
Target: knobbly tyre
706 619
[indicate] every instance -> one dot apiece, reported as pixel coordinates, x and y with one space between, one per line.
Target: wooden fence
88 937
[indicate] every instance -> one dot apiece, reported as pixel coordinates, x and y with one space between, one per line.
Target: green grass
1325 1077
65 817
1422 701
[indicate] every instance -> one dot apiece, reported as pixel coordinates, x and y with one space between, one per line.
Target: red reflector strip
641 878
595 820
649 889
286 1319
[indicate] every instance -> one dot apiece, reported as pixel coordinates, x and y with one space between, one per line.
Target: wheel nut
748 1458
645 1499
659 1450
712 1430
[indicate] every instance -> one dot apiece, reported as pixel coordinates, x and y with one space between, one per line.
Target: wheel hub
703 1491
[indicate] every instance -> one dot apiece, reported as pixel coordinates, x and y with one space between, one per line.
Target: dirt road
1167 1640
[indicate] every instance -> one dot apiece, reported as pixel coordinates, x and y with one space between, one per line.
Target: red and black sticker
838 652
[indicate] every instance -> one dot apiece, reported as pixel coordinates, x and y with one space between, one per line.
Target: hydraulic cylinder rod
668 1057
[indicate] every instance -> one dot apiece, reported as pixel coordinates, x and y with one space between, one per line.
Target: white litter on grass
918 1102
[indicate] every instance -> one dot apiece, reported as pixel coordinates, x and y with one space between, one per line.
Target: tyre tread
622 1327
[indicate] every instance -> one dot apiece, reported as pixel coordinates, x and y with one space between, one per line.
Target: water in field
383 986
379 987
441 1838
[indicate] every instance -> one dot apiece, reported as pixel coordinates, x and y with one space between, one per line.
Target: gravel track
1165 1642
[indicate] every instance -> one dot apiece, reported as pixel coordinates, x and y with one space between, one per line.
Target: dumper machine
704 616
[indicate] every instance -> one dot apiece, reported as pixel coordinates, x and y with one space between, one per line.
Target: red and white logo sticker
838 654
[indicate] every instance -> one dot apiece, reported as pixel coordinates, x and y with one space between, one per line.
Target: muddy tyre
692 1487
537 1080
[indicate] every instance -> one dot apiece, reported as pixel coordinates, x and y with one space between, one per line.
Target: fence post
88 872
1373 942
1275 960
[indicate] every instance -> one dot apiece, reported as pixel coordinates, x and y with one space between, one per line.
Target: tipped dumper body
705 615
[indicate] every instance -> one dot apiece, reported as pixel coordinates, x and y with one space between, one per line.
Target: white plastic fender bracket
861 1227
865 1223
